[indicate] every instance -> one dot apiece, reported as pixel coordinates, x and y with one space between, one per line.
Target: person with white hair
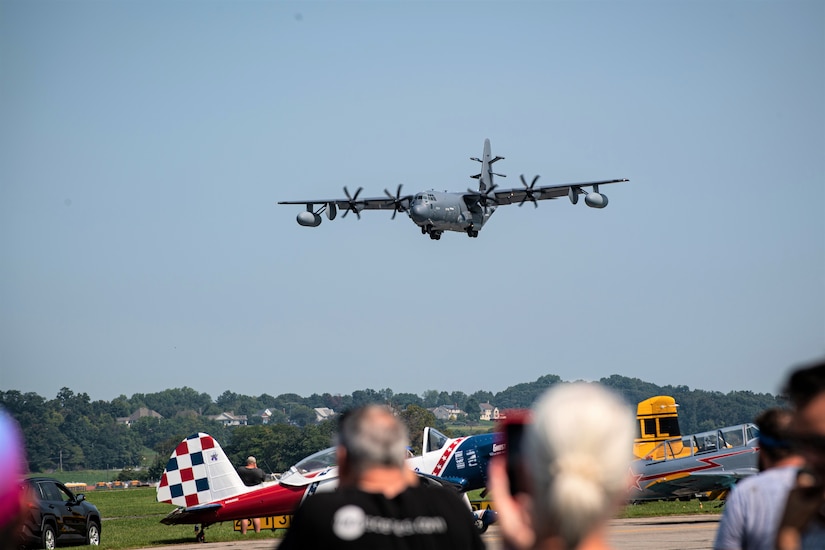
577 449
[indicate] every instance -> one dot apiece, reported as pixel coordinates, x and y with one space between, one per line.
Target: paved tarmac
691 532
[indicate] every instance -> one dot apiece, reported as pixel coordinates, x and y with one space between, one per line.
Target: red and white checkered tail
198 472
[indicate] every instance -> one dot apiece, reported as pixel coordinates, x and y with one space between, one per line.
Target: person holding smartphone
569 473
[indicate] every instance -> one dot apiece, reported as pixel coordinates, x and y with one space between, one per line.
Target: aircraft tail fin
485 177
658 420
198 472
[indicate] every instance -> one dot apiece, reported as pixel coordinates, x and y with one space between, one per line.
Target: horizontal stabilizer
183 516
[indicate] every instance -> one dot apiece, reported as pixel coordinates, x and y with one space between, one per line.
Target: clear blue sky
143 146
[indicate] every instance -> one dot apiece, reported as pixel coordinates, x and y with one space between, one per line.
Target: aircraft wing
698 482
396 202
520 195
371 203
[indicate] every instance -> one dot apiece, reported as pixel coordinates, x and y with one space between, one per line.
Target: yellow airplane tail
658 422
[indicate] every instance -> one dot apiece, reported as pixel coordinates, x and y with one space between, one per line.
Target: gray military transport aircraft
465 212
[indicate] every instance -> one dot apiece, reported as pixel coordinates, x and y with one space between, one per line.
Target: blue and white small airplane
464 212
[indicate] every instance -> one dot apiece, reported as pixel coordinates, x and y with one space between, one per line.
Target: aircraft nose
419 212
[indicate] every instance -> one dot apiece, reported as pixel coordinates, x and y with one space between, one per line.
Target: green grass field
131 519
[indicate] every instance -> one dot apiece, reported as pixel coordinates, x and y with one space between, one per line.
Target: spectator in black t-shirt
251 475
379 502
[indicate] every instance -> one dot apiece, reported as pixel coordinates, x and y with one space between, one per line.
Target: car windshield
318 461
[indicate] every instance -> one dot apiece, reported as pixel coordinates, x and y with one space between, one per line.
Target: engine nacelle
309 219
595 200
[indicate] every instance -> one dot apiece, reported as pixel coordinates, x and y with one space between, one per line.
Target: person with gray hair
577 447
380 503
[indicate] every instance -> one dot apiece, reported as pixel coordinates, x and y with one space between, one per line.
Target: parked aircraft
203 482
694 464
200 479
465 212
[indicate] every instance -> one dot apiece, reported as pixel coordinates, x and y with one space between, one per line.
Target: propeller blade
354 197
529 193
395 201
352 200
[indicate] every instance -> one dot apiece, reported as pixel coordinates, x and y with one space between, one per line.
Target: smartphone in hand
512 429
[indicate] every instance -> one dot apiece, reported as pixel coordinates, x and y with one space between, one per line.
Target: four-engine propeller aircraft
203 482
465 212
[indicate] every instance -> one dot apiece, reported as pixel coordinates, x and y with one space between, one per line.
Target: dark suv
60 516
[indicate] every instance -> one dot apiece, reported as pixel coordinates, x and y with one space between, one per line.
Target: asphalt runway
692 532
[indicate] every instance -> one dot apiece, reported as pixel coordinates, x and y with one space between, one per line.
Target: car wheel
48 538
93 534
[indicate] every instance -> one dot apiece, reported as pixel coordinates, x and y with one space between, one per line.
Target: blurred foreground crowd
570 479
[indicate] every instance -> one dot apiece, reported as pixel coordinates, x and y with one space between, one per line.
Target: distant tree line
71 432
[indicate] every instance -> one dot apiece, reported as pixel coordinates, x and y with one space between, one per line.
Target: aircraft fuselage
435 211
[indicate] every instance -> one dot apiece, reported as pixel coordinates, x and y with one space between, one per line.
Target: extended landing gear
200 534
472 233
434 234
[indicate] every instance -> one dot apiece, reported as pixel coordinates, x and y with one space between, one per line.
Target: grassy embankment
131 519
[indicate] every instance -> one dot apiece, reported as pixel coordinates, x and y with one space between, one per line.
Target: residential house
323 413
488 412
142 412
265 416
447 412
229 419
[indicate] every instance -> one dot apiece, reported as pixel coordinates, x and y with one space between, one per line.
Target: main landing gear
200 533
434 234
472 233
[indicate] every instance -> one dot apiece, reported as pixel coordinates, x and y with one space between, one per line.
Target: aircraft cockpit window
318 461
419 197
435 440
733 436
753 432
707 442
431 197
